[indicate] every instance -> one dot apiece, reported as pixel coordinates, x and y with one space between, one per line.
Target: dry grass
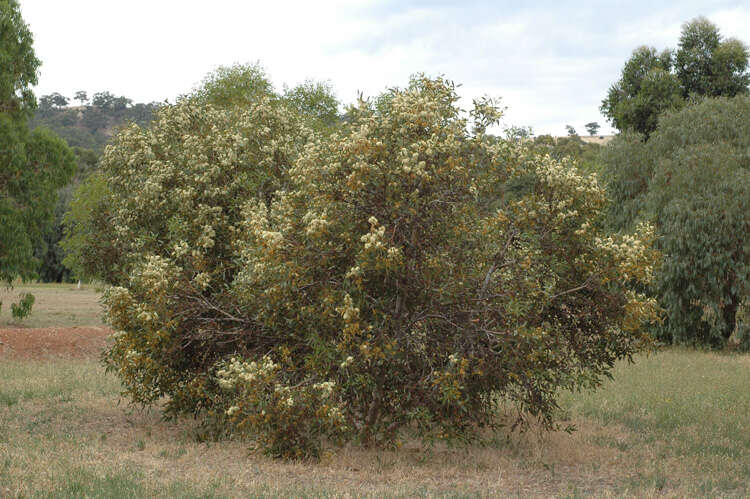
64 423
56 305
63 434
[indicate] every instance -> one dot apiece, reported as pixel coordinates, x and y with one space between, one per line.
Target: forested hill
89 123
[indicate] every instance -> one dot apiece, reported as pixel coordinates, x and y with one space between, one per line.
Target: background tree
81 96
33 165
238 86
59 100
51 254
646 88
518 133
700 198
706 64
51 101
592 128
584 154
315 100
103 100
652 82
234 87
571 131
86 255
120 103
627 168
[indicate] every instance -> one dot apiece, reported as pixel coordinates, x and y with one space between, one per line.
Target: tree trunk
729 313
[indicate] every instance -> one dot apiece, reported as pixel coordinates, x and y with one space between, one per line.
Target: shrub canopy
401 272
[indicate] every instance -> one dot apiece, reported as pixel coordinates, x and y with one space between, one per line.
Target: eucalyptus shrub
700 200
692 180
407 272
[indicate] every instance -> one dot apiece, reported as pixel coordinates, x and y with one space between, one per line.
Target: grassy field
56 305
674 424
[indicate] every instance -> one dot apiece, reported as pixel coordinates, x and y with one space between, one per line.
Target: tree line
681 162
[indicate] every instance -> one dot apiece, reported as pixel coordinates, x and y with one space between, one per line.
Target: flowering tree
400 273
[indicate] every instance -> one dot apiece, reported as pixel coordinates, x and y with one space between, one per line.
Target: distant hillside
597 139
91 125
87 128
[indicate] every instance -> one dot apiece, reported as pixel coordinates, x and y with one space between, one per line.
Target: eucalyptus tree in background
571 131
700 200
33 164
81 96
646 88
316 101
120 103
692 178
707 64
52 101
238 86
103 100
592 128
233 87
704 65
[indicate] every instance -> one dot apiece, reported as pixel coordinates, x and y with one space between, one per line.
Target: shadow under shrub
391 280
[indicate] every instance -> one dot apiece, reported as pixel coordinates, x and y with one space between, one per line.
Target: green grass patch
55 305
679 405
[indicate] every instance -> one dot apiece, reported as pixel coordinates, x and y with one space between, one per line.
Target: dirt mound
40 343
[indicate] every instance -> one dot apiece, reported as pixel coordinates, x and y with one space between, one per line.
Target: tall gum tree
33 165
705 64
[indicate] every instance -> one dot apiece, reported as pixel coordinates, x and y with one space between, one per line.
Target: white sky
550 61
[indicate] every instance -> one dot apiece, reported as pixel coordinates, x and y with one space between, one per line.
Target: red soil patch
40 343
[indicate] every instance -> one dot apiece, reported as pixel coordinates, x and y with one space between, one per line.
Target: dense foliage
692 178
239 86
626 169
399 273
706 64
652 82
33 164
227 92
646 88
701 200
48 250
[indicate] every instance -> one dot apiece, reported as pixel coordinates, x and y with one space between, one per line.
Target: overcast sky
551 62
